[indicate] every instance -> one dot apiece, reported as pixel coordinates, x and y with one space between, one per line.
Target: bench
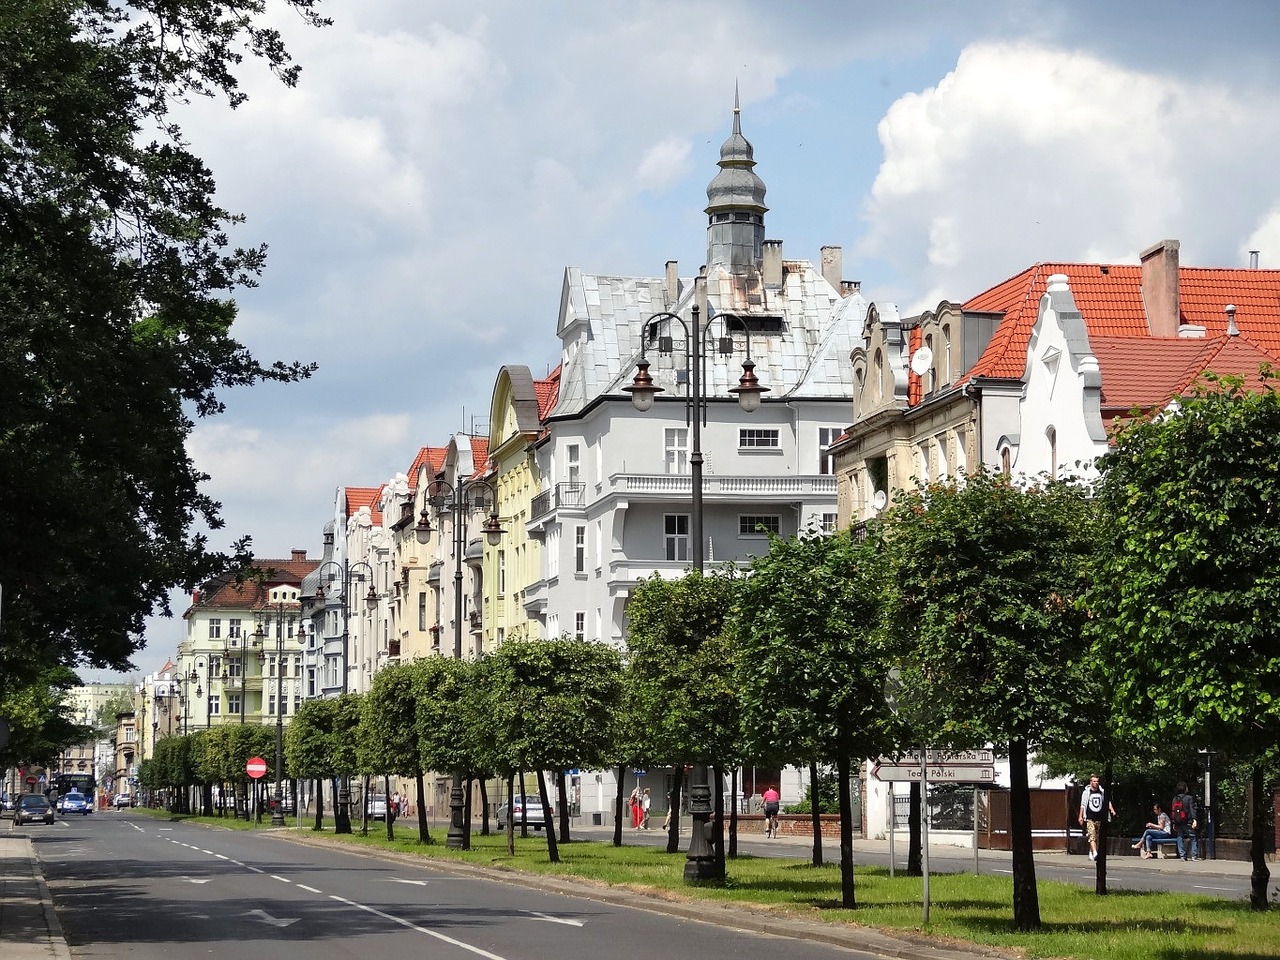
1159 847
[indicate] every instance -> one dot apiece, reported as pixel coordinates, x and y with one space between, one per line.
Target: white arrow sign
264 917
942 773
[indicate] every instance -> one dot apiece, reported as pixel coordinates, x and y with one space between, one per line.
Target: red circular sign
257 767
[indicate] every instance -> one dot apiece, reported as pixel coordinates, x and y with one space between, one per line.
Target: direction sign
970 757
938 773
257 767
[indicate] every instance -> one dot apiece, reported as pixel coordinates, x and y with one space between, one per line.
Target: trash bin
597 819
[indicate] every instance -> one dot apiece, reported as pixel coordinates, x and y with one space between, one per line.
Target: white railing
726 487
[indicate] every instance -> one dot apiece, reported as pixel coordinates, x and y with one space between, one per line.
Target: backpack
1180 811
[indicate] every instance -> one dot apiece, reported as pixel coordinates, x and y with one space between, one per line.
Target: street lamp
183 698
476 494
277 809
701 863
350 571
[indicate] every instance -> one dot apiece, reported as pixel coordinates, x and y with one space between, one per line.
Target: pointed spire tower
735 205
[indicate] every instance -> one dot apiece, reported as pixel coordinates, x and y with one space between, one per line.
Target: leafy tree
390 720
450 728
811 669
346 755
115 318
117 702
1188 593
683 692
985 576
40 718
309 746
551 705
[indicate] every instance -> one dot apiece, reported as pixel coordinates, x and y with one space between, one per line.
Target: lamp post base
277 809
700 862
456 838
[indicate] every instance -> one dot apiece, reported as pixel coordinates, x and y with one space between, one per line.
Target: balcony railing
725 487
561 495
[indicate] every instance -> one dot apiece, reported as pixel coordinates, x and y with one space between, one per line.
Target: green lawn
1125 925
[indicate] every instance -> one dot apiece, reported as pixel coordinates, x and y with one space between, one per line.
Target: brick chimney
671 283
1160 288
299 554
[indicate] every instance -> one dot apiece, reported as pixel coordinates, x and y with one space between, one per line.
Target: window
1006 466
553 554
215 706
234 627
297 666
676 535
553 625
297 703
676 450
311 681
826 437
573 463
829 523
580 625
758 525
599 543
422 610
502 572
234 667
215 666
233 703
271 705
579 549
755 438
215 628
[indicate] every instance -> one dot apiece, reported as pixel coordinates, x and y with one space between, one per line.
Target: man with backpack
1182 812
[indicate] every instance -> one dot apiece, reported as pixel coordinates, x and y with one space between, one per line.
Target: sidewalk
29 930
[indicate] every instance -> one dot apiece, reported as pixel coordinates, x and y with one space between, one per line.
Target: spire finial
737 110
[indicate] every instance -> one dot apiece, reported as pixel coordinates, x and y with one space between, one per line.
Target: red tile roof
1109 297
227 592
547 392
357 497
430 457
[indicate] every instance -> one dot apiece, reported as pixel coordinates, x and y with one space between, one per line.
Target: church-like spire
735 204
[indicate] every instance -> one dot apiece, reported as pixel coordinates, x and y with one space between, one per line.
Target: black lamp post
357 572
184 698
701 863
468 495
277 808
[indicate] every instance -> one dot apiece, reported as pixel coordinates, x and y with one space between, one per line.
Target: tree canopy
116 273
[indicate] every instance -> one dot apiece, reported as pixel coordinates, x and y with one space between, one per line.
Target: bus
60 784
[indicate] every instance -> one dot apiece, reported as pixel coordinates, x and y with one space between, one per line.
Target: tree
309 746
449 727
985 576
810 666
346 755
1188 592
390 720
551 705
682 690
115 318
39 716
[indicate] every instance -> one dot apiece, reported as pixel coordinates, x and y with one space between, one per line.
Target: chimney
671 287
1160 288
299 554
832 265
771 267
1232 329
849 287
1253 259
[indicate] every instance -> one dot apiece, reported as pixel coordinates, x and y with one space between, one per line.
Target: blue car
74 803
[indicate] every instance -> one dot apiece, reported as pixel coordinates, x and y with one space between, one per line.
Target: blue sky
440 164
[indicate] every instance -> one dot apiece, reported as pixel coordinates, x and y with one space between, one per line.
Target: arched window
877 372
1006 465
945 361
1052 436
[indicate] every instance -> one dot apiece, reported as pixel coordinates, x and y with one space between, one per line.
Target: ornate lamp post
329 572
468 495
184 698
277 807
701 863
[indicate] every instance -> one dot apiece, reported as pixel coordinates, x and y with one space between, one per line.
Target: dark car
32 807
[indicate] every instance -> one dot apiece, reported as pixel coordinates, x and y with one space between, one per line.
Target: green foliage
115 274
1187 596
452 733
40 722
682 697
828 797
309 740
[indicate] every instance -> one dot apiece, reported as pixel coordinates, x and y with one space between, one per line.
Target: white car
528 807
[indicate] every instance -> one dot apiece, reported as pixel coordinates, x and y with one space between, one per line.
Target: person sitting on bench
1160 829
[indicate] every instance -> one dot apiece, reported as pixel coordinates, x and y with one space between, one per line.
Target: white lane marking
303 886
1202 886
281 879
1010 872
416 883
221 856
138 828
195 879
264 917
478 951
550 919
254 869
209 852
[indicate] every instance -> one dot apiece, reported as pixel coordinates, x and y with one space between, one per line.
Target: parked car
123 800
74 803
377 806
32 807
532 812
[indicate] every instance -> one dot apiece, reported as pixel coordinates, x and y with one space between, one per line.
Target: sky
439 165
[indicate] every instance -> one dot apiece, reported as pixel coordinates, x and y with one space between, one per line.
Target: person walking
645 802
1092 804
1182 811
1159 828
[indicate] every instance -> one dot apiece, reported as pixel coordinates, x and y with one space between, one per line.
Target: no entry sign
257 767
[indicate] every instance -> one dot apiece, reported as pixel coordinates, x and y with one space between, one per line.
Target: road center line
478 951
254 869
281 879
303 886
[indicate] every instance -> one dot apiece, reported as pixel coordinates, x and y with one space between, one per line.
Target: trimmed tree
1188 593
309 746
985 576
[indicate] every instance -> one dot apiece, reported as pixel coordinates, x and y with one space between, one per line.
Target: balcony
674 487
232 684
475 619
558 497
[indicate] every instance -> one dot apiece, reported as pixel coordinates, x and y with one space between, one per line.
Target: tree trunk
915 815
511 820
716 782
341 812
1104 834
1261 876
319 804
815 813
388 809
424 830
1026 898
562 791
364 808
484 807
206 799
847 899
617 805
677 791
733 814
466 812
553 850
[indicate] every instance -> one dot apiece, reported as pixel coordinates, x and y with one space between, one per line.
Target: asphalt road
129 885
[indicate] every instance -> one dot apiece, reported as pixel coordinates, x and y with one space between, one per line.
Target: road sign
938 773
257 767
969 757
31 781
